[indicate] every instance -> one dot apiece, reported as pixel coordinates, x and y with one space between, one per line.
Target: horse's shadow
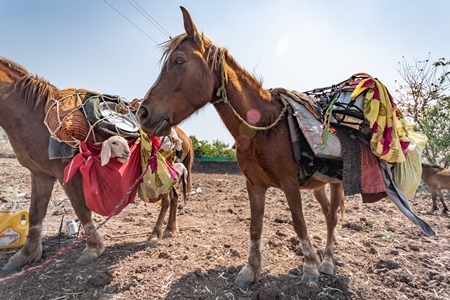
438 214
218 283
212 283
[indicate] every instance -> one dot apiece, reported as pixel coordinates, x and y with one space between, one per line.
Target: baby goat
182 173
115 146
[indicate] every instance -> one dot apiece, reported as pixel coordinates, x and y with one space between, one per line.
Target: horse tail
188 162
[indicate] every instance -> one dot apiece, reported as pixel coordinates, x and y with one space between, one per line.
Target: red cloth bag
105 186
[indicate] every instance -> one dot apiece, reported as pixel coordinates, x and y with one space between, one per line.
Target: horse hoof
327 268
11 266
151 244
241 282
310 275
168 234
84 260
244 278
310 278
152 241
310 271
19 260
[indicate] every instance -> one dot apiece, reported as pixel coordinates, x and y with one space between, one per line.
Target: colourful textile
105 186
373 188
160 177
389 139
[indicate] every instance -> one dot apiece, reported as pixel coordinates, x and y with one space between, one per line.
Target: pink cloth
373 188
105 186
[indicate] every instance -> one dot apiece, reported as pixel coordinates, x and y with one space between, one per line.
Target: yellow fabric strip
389 139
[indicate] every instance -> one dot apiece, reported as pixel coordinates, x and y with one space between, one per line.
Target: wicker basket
66 120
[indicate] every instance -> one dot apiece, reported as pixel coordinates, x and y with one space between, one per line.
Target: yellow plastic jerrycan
13 229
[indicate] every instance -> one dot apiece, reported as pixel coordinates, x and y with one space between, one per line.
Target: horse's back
436 177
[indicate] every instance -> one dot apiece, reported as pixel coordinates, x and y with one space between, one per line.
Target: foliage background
423 95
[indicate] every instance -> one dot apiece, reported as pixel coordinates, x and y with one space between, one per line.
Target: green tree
423 96
222 149
216 149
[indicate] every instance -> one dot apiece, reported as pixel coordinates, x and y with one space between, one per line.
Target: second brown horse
23 98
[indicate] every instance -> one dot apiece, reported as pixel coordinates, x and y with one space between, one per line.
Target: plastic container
13 229
71 227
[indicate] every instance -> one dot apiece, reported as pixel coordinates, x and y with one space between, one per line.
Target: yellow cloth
160 176
389 139
407 175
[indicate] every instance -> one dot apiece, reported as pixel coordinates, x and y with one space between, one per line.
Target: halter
222 93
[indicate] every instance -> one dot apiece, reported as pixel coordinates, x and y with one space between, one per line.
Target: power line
131 22
149 18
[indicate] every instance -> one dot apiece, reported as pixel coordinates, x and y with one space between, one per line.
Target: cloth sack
105 186
160 176
407 175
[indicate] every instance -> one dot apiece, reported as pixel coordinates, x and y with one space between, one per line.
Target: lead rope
82 238
222 93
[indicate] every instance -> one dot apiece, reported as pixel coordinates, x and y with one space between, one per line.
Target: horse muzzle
151 124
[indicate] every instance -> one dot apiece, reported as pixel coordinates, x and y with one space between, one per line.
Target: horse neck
19 119
243 93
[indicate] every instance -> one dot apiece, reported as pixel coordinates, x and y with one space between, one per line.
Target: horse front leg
252 271
172 225
157 232
311 261
41 190
94 243
337 196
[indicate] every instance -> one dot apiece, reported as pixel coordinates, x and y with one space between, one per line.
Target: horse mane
35 90
215 53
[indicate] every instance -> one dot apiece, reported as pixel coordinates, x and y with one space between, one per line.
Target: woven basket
66 119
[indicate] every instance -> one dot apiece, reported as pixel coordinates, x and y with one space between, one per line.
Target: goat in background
436 178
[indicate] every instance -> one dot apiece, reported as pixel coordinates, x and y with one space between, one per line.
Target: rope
61 120
71 129
222 93
82 238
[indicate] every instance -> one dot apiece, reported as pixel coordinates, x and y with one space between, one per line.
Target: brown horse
436 178
22 100
171 202
194 69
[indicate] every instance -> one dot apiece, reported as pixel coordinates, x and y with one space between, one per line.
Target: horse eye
114 143
179 61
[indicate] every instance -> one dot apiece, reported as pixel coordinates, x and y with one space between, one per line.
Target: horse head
186 83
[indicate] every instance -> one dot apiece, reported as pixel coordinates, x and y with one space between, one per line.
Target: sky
111 46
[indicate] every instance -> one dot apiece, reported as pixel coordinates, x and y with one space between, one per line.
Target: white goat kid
182 172
115 146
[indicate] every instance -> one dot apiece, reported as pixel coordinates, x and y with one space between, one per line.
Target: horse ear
105 153
189 25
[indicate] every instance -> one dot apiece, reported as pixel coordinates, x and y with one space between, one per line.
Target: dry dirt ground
380 253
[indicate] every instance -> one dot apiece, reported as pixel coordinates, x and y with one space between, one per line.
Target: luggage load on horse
86 120
363 107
